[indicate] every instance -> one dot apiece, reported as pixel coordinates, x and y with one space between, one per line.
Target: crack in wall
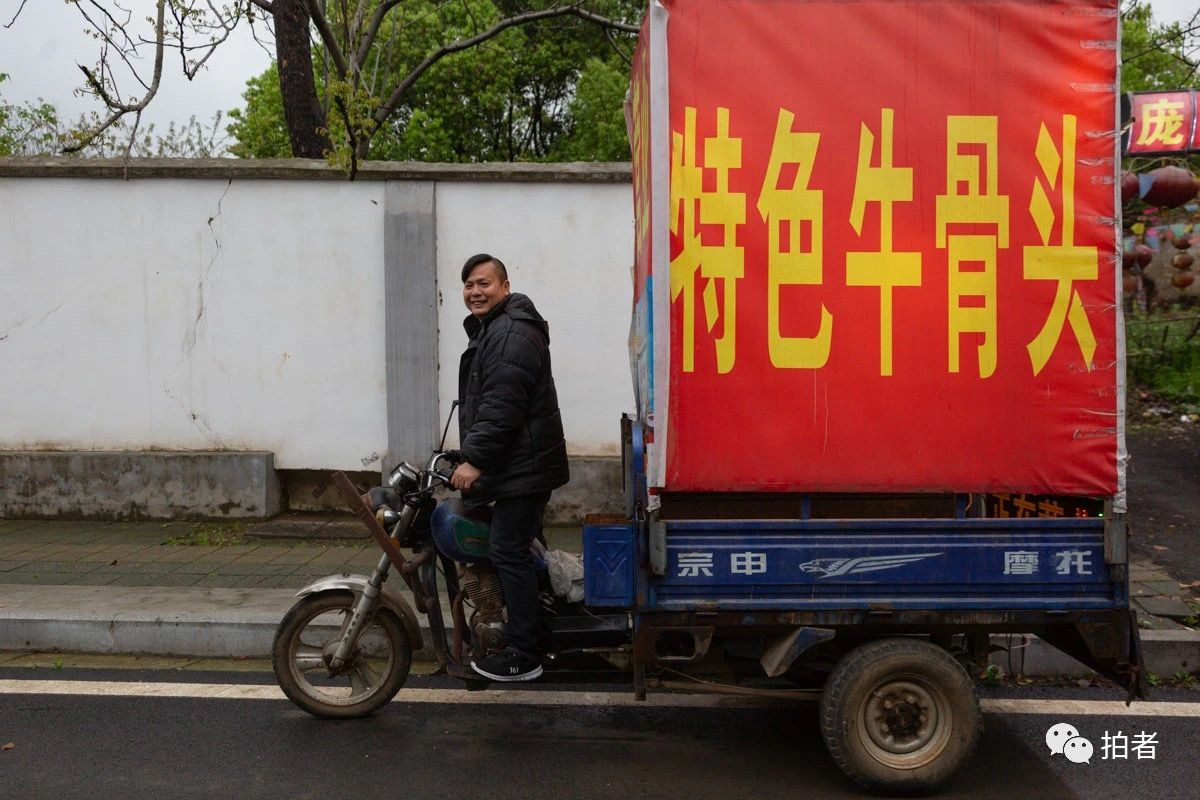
20 323
198 421
189 341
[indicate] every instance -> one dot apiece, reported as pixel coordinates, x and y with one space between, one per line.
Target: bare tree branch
116 106
592 16
317 12
21 8
373 29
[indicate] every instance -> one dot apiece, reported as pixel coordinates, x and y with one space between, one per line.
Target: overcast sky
41 50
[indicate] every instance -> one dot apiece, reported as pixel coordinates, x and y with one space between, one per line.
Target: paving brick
238 568
93 579
1165 607
196 568
45 551
50 567
1169 588
293 559
35 579
165 553
121 568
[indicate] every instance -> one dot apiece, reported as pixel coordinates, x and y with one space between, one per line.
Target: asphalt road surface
104 734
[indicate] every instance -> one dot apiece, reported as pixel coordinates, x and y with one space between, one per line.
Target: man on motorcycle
512 445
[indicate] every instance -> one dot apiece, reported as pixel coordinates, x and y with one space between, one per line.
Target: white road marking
227 691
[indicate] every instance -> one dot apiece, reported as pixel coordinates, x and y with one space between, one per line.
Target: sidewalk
219 590
178 588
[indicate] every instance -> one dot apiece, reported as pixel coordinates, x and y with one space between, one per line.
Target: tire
901 684
377 667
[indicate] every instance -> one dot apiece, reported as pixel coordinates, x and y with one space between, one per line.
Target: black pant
516 522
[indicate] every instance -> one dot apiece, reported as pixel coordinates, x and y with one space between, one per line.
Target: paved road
71 745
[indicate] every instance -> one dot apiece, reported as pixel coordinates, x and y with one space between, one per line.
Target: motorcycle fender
391 600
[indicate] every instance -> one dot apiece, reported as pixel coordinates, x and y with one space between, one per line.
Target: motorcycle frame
418 572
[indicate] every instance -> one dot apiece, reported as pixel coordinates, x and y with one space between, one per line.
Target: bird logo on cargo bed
833 567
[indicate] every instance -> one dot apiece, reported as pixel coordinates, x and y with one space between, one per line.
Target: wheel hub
901 717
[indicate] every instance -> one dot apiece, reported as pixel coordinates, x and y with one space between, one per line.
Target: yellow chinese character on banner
972 257
789 261
722 261
887 269
1066 262
1162 123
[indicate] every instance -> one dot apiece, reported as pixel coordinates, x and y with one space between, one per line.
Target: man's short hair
483 258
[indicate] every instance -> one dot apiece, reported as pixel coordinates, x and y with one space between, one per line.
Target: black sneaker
508 664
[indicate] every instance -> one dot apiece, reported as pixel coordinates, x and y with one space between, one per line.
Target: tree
1155 56
364 86
515 97
598 130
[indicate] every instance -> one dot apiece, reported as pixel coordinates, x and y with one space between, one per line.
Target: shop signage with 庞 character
1159 123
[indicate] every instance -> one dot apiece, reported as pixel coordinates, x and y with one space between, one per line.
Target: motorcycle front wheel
375 670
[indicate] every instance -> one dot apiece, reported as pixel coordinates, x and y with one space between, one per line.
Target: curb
1164 652
240 623
153 621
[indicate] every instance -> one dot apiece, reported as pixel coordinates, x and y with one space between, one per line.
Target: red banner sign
892 248
1162 123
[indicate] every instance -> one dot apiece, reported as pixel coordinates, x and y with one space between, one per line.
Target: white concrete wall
569 247
248 315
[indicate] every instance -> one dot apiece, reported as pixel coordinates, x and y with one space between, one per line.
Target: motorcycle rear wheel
376 669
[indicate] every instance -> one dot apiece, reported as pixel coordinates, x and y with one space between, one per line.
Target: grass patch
1163 357
211 534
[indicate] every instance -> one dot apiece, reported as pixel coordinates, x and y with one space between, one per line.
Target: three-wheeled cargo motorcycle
880 608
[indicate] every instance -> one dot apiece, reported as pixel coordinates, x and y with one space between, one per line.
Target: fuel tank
466 538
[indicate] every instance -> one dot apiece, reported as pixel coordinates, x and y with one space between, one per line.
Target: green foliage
27 129
597 114
519 96
259 130
1156 56
1164 354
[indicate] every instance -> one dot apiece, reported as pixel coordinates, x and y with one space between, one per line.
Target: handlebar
443 473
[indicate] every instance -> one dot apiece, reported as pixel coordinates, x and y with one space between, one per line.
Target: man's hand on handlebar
465 475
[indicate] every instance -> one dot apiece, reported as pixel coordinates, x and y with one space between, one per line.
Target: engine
482 586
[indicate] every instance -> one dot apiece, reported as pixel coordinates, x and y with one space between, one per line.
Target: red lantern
1168 186
1129 187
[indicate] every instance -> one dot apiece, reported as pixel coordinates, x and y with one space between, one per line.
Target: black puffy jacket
508 418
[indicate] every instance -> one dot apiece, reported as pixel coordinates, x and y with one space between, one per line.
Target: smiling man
513 446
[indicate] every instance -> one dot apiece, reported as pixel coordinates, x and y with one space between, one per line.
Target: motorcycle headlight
403 478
